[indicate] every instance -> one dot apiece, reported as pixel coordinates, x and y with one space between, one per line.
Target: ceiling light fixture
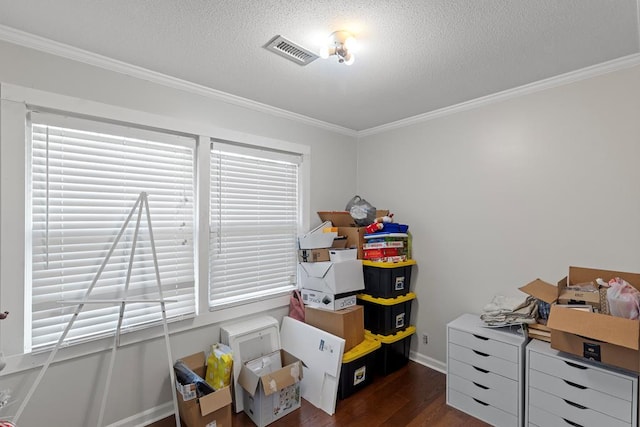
341 44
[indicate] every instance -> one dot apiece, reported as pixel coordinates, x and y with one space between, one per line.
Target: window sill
23 362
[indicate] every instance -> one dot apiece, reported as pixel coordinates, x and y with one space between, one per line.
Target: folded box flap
316 269
248 380
541 290
338 218
214 401
281 378
194 361
320 228
595 326
582 275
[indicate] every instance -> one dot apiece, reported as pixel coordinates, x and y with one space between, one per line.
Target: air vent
291 51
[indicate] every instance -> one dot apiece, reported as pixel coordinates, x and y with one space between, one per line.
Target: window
254 217
85 178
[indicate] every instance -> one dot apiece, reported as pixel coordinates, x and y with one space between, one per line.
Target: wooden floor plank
413 396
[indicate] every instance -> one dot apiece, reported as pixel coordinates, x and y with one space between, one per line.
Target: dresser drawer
484 344
584 396
484 361
582 375
496 397
480 409
482 377
559 412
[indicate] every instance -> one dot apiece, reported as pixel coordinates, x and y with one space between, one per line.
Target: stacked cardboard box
348 228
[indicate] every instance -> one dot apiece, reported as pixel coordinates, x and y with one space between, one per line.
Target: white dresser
566 391
485 371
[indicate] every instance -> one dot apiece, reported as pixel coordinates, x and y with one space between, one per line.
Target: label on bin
400 321
400 283
360 375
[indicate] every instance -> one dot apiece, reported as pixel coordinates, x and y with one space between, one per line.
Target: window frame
148 140
268 155
14 103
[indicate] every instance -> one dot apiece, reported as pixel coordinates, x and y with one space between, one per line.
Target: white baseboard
147 417
428 362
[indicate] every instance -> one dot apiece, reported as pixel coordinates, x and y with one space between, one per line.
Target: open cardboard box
600 337
348 228
273 393
212 409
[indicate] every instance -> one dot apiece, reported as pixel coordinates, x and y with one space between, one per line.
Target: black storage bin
386 316
387 279
358 367
394 350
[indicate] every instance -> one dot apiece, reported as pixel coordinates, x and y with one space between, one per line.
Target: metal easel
141 202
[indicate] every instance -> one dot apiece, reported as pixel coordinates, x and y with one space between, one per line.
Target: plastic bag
219 366
362 212
623 299
296 307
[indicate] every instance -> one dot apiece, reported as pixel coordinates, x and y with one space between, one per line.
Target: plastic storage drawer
387 279
386 316
394 350
358 367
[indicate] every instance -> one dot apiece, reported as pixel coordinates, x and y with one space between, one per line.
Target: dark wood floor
412 396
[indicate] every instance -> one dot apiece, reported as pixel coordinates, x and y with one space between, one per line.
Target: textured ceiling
415 56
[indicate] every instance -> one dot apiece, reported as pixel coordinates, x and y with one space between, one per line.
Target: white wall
505 193
70 393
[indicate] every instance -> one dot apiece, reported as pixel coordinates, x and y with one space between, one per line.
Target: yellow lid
387 301
388 264
390 339
365 347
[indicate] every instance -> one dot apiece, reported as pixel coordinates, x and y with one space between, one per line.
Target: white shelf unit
485 370
564 390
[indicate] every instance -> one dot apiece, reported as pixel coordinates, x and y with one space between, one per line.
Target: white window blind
85 178
254 210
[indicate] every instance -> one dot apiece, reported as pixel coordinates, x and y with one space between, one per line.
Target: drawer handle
574 404
481 337
571 423
574 365
484 371
480 386
480 402
479 353
581 387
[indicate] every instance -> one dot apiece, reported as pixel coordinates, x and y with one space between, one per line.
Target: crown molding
560 80
42 44
59 49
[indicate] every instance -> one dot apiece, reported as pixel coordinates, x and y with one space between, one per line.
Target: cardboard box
212 409
348 228
313 255
572 296
269 390
317 299
347 323
599 337
332 277
317 238
339 255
